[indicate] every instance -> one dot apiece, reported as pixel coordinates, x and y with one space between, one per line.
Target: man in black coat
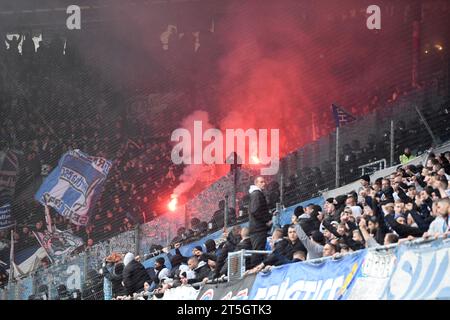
134 275
260 219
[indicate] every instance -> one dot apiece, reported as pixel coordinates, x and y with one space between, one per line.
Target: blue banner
421 272
328 280
373 275
5 216
73 187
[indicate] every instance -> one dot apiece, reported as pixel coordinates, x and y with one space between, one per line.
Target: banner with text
73 187
235 290
373 276
328 280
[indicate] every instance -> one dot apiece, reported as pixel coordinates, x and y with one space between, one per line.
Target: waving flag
341 117
73 187
9 166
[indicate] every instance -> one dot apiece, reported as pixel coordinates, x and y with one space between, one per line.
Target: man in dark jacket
200 268
134 274
233 238
260 219
278 244
293 244
115 276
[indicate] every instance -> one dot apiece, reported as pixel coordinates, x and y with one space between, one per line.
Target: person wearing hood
260 219
340 204
297 213
331 213
210 246
134 274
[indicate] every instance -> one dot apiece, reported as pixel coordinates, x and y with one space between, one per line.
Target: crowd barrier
383 173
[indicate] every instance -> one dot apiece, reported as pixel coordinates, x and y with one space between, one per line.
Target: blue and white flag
58 244
341 117
73 187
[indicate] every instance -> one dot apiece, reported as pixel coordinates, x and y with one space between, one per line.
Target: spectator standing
134 274
260 219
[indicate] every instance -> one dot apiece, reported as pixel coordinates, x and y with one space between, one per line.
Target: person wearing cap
211 263
297 213
112 270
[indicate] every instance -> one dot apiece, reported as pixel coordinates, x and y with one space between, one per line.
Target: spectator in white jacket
440 225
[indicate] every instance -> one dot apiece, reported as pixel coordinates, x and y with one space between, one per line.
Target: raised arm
307 242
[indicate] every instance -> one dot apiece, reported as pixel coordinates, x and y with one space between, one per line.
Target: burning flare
255 159
173 203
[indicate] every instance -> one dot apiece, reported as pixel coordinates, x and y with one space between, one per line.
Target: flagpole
48 219
11 261
337 157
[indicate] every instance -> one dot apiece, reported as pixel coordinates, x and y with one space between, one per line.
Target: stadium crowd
412 202
52 102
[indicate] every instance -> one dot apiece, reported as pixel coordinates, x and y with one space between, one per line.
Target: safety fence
418 120
78 272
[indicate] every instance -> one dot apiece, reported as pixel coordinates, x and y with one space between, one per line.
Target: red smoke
264 74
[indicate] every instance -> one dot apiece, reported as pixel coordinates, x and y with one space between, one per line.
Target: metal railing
369 168
236 262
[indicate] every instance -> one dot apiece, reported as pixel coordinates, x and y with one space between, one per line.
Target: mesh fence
72 93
